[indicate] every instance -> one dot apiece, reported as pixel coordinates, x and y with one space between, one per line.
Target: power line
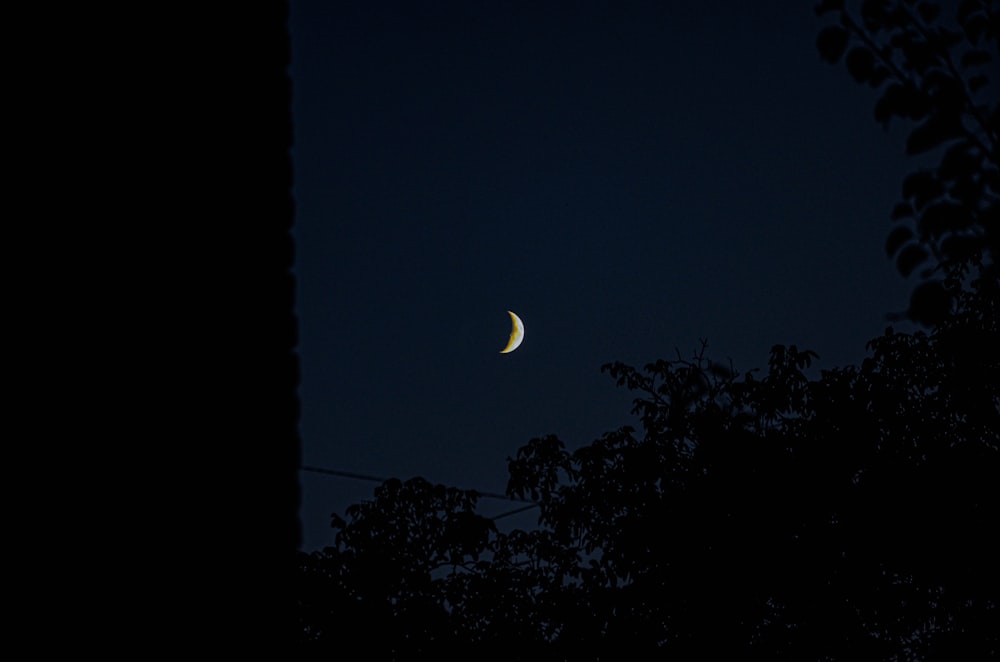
376 479
515 511
345 474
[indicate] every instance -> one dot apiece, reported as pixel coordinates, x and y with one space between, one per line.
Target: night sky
627 177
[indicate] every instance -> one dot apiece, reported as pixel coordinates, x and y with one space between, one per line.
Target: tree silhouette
933 72
849 515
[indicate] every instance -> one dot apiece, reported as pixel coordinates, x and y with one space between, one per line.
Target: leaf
899 16
879 75
902 100
921 187
943 217
974 27
928 12
967 7
902 210
958 161
892 102
977 83
919 54
975 58
860 64
826 6
831 43
949 38
899 236
930 303
918 104
910 258
989 219
961 247
992 179
967 191
938 81
874 13
933 133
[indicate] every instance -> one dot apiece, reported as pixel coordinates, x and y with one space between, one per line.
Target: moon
516 334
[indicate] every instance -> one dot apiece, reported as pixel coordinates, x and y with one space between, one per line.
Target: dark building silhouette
225 530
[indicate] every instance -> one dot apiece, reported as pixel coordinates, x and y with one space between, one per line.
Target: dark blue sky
628 177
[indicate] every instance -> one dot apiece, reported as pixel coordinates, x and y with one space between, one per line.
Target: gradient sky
628 177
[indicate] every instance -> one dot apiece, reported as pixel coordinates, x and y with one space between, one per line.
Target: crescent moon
516 334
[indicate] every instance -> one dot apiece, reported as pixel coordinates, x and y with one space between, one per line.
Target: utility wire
376 479
515 511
